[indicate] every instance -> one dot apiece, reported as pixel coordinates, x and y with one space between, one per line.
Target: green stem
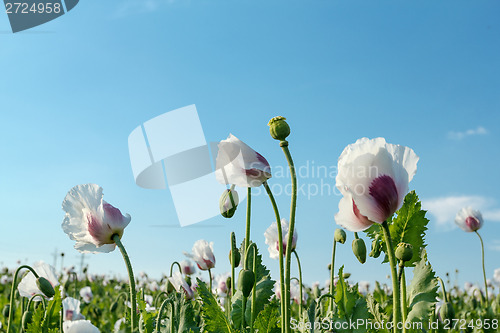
280 240
300 282
484 270
243 305
332 274
252 310
155 301
210 277
32 299
293 206
13 290
233 267
402 284
172 267
160 312
75 283
247 231
395 285
133 296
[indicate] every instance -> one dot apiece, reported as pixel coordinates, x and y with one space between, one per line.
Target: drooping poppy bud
228 203
6 311
359 249
45 287
237 257
340 236
113 307
404 252
278 127
246 279
27 319
446 312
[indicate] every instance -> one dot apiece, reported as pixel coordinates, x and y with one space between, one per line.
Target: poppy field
377 205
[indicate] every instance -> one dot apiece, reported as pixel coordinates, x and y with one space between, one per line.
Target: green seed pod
346 275
340 236
228 284
279 128
228 203
45 287
237 257
27 319
404 252
113 307
376 247
359 249
446 311
246 280
6 311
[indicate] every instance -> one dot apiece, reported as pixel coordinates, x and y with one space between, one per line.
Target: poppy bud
446 312
237 257
346 275
113 307
404 252
45 287
228 284
228 203
376 247
340 236
188 280
170 287
246 279
279 128
6 311
26 320
359 249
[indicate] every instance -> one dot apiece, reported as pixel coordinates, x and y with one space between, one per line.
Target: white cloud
444 209
470 132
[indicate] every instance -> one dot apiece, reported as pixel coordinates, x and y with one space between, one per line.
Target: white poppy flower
203 254
187 267
28 287
86 294
496 276
91 221
180 284
272 238
79 326
71 309
375 175
469 219
240 165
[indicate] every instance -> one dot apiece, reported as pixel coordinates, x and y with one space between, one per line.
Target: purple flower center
383 190
472 223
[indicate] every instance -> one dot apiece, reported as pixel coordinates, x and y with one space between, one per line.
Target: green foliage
214 320
268 319
351 306
422 292
408 226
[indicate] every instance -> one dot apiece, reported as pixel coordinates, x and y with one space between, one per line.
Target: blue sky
424 74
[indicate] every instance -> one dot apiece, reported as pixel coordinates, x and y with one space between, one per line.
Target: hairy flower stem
484 270
172 268
243 305
300 281
160 312
13 290
293 206
133 296
402 284
280 240
396 307
210 278
233 266
247 231
332 275
254 269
